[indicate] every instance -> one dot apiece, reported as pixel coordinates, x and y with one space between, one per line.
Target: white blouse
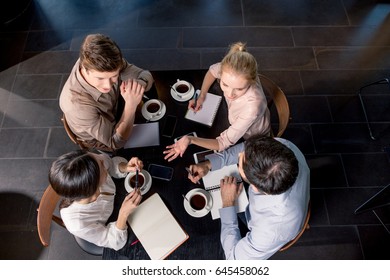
88 221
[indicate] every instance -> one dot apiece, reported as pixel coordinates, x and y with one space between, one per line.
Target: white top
88 221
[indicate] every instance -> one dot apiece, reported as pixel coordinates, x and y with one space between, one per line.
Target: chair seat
89 247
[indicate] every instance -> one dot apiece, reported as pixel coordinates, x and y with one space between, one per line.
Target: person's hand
176 149
132 91
199 102
229 190
198 171
130 202
134 164
131 166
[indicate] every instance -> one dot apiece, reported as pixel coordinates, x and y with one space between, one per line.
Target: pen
136 179
196 99
189 172
134 242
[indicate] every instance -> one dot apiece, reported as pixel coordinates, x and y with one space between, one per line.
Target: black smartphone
160 171
169 126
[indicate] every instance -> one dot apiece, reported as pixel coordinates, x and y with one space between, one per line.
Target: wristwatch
146 81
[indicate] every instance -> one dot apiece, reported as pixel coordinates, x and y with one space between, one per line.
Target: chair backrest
47 206
304 227
277 98
83 145
46 215
71 135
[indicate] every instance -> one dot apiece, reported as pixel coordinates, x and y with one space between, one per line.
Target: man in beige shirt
90 96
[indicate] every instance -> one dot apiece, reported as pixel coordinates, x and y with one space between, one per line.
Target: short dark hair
98 52
75 175
269 165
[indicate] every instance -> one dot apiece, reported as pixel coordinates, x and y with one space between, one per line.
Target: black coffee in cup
197 202
141 180
182 88
153 107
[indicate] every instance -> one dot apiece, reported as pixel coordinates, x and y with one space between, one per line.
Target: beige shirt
91 114
248 115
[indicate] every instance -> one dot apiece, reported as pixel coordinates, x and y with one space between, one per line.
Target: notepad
144 135
209 110
212 184
156 228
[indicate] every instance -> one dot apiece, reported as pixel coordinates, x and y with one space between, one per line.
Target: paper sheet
156 228
211 182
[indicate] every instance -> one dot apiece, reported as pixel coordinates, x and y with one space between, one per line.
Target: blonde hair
240 62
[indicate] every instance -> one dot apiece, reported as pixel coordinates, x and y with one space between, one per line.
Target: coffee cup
132 180
153 106
198 201
182 87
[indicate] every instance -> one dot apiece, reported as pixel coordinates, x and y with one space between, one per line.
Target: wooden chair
47 206
82 145
277 98
71 135
304 227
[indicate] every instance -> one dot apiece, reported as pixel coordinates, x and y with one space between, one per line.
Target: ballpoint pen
196 99
189 172
136 180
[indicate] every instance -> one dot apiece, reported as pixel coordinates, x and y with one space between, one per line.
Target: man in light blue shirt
279 194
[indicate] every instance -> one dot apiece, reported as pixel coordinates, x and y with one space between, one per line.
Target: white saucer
147 115
147 186
185 97
204 211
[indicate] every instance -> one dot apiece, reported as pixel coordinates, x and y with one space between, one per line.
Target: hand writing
198 171
229 190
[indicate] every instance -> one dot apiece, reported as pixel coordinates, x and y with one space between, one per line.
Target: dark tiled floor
320 52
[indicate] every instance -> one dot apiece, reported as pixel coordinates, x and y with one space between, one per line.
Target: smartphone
189 134
160 171
169 126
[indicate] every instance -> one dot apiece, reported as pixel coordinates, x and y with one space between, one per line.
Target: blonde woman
247 105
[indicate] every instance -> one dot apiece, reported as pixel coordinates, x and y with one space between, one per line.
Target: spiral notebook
208 112
211 184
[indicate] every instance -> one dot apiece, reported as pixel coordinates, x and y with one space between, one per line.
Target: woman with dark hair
84 181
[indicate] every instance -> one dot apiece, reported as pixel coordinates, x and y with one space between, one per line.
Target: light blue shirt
273 220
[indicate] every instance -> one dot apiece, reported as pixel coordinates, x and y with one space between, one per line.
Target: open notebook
212 184
208 112
156 228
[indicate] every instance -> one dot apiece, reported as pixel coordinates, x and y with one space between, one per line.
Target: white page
144 135
156 228
206 115
212 184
